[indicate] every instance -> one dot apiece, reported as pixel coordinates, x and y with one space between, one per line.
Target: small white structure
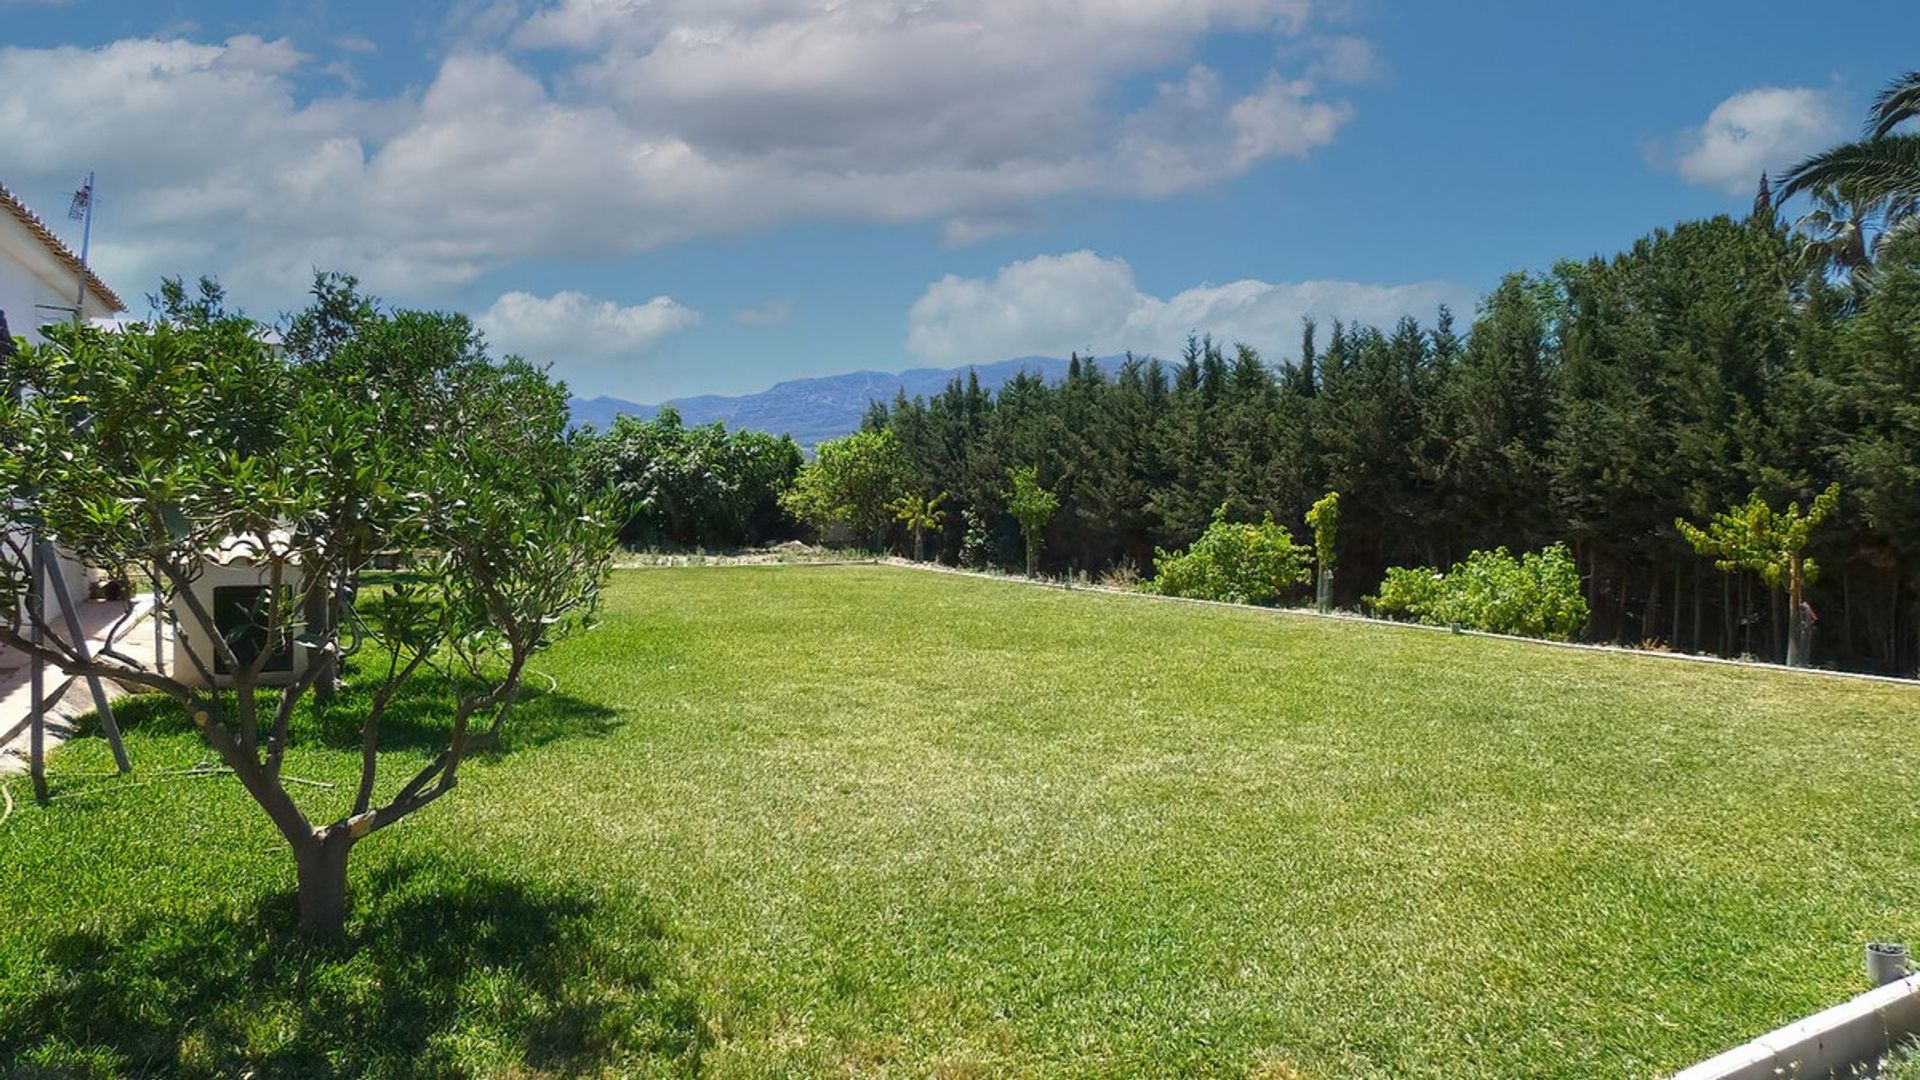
233 588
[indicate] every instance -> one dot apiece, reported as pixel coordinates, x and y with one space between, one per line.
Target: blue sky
672 197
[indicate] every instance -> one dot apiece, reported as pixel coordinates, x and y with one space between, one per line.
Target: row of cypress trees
1592 404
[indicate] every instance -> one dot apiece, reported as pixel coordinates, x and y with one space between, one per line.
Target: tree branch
370 727
283 718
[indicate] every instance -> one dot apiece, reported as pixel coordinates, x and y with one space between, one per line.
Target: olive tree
148 449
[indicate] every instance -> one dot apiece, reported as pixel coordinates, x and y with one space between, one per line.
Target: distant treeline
1592 405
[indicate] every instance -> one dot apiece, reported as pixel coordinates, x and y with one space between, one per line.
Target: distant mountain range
814 410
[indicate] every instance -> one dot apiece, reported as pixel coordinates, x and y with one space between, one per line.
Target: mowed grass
872 822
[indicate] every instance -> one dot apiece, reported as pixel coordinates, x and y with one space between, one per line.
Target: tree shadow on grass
420 717
442 972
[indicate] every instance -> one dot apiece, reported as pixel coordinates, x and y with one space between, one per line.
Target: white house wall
36 288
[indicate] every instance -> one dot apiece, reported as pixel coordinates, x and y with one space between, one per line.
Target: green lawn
867 821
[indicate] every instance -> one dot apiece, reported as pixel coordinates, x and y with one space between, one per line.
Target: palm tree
1843 235
1882 167
1898 103
919 515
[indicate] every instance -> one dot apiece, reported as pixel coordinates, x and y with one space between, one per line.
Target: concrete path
69 699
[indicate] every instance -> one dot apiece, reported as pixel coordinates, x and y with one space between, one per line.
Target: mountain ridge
820 407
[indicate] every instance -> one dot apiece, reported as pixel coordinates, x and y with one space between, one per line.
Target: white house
41 279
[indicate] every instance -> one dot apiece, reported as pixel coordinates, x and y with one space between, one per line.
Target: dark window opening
240 615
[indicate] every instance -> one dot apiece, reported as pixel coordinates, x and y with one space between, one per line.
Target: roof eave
29 220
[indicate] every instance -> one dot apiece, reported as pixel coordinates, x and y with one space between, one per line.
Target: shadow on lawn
420 718
441 972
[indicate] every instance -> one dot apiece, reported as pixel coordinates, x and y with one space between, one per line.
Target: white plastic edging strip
1846 1040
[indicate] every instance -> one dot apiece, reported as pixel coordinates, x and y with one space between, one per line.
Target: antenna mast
81 210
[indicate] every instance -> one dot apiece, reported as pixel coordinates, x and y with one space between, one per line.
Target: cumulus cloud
1052 304
643 124
578 331
1755 131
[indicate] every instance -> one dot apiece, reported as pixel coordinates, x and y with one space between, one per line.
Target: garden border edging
1846 1040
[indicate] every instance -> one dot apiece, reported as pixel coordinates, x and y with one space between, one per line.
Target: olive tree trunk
322 875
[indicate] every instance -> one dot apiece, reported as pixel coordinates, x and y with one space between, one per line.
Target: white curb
1847 1040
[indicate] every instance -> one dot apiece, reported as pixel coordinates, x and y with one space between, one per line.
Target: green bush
1535 595
1237 562
1410 592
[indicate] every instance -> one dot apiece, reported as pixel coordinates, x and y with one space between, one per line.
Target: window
240 615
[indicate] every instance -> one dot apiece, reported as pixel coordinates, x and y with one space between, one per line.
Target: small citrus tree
152 447
1033 506
919 515
1773 544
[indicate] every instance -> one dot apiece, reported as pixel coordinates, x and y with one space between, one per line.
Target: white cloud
661 121
1051 304
772 313
576 331
1755 131
1345 58
1191 134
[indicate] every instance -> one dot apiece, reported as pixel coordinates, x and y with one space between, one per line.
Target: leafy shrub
688 487
1238 562
1903 1063
1535 595
1410 592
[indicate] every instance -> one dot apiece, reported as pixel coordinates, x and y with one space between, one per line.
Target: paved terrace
69 699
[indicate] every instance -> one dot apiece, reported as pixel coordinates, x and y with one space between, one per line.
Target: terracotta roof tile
12 205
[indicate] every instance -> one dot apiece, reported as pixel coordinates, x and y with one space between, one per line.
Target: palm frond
1877 169
1898 103
1899 231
